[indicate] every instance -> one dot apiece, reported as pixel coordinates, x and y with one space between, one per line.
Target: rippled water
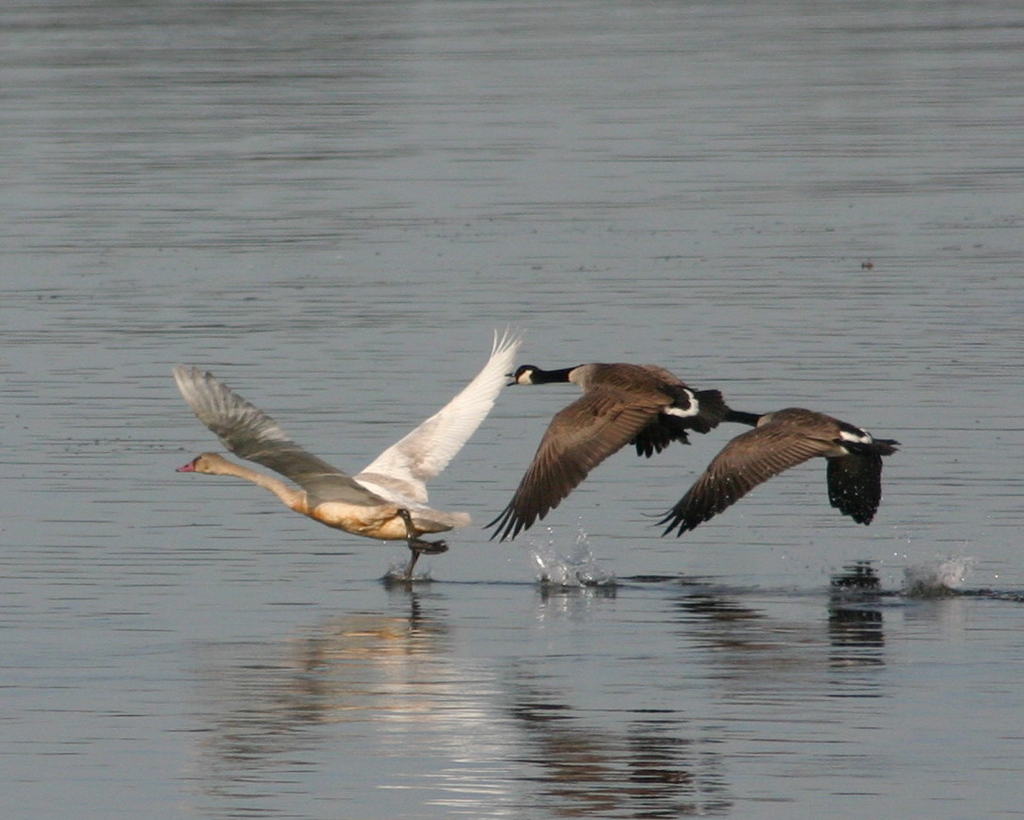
332 205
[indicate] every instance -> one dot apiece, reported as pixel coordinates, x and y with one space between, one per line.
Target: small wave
937 579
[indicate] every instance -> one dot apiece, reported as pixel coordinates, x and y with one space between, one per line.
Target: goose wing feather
579 438
406 466
748 460
855 485
250 433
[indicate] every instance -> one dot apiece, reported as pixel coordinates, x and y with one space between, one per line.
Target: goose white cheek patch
692 410
856 436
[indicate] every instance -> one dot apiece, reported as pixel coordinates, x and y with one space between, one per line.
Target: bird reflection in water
383 679
855 616
654 767
762 658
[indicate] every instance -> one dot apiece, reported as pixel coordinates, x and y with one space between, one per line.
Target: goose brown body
643 405
779 441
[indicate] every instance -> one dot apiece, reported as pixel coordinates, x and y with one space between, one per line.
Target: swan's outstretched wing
406 465
250 433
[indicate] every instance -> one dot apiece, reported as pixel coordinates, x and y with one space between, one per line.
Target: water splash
577 569
395 574
938 578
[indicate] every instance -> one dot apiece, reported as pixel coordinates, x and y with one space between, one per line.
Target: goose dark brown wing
855 485
579 438
748 460
250 433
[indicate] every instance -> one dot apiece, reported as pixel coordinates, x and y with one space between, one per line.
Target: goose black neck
740 417
540 376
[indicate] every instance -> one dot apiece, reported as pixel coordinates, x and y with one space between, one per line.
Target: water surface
332 206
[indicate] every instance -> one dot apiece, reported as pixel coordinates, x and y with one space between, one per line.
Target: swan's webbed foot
417 545
429 547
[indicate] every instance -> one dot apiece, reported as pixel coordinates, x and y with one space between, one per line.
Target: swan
388 499
640 404
781 440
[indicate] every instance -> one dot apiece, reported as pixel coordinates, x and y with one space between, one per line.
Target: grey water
332 206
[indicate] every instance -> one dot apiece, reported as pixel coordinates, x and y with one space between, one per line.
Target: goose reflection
655 766
855 616
765 658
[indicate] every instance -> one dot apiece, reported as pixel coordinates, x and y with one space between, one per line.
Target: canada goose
781 440
387 500
639 404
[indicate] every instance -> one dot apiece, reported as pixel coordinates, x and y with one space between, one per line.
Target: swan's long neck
295 499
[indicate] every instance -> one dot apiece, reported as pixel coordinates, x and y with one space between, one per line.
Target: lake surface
332 205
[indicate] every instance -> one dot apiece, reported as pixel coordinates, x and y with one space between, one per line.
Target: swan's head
205 463
523 375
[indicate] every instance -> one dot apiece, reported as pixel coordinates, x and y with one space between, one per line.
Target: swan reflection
379 694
